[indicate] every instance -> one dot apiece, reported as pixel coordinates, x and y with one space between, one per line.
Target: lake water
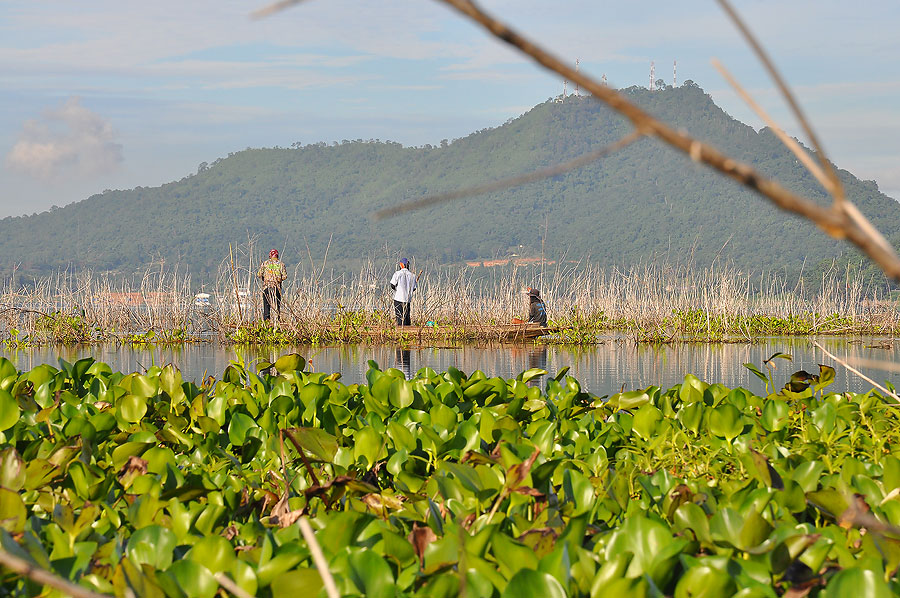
602 369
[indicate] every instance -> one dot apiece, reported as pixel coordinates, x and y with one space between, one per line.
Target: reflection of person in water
526 358
537 358
403 362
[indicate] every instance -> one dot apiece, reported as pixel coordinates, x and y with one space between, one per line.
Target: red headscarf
273 253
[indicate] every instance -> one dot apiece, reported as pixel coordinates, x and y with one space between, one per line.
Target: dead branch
831 183
836 222
858 373
273 8
788 142
838 192
44 577
227 583
318 558
840 221
859 516
515 181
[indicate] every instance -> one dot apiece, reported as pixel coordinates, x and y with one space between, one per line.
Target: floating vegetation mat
275 481
652 303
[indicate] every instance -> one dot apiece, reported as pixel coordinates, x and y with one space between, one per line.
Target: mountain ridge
643 201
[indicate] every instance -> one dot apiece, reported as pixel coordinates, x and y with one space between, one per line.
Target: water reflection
531 357
601 369
402 362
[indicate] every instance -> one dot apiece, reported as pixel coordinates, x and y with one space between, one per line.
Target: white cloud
68 140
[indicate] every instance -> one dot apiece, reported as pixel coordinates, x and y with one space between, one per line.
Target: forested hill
644 202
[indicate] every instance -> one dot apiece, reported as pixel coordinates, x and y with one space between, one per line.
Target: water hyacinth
443 485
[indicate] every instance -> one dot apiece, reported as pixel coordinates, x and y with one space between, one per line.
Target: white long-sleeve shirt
405 281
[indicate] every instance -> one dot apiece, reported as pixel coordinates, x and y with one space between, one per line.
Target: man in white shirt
403 282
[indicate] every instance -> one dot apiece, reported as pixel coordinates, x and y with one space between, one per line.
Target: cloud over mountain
69 140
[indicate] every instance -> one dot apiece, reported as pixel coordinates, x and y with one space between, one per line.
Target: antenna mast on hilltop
576 83
652 74
565 83
674 73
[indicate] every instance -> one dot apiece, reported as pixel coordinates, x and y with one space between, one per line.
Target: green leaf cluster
442 485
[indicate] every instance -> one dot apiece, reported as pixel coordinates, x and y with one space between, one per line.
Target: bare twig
850 209
829 183
838 192
857 372
888 366
227 583
44 577
859 516
273 8
835 222
237 296
839 222
515 181
306 463
788 141
318 557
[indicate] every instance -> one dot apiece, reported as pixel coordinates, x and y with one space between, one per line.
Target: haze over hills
644 202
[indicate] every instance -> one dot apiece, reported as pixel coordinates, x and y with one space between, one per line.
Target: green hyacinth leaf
857 582
528 583
702 581
291 362
9 410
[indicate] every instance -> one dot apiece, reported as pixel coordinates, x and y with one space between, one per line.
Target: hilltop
644 202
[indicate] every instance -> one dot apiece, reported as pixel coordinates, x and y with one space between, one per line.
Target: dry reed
649 302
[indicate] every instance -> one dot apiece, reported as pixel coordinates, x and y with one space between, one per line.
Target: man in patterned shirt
272 274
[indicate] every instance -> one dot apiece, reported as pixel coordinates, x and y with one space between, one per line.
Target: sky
101 94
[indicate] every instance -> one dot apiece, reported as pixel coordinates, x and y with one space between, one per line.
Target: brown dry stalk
305 528
789 142
838 192
318 557
875 364
828 181
836 222
273 8
306 463
515 181
463 303
858 373
45 578
228 584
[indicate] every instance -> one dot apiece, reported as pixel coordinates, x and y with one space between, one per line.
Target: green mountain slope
644 202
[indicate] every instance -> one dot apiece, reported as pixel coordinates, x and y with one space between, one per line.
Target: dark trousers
271 298
401 312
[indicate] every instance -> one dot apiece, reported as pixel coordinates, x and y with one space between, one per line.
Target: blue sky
97 94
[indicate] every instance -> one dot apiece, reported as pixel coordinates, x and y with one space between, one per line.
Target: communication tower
674 73
603 79
576 83
565 83
652 74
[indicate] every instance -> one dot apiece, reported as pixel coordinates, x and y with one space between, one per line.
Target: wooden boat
497 332
519 332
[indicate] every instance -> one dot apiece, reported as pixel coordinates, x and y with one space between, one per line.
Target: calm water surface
602 369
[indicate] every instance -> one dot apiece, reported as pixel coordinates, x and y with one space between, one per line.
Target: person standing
272 273
403 282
